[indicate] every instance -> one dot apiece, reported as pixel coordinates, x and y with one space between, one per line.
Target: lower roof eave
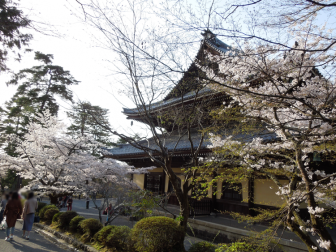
204 152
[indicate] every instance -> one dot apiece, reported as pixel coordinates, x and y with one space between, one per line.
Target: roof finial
207 34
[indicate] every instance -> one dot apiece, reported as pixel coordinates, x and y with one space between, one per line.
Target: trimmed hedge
203 247
44 209
240 247
157 234
101 236
40 205
56 217
90 228
73 226
120 239
49 214
65 218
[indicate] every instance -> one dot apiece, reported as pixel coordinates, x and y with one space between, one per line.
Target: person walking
3 203
87 202
69 203
28 214
13 211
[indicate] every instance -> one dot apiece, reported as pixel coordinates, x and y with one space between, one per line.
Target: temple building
253 193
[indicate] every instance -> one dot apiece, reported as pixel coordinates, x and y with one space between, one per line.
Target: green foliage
40 205
37 90
10 179
101 236
56 217
238 247
157 234
49 214
44 209
73 226
90 227
143 202
120 238
84 123
202 247
12 22
65 218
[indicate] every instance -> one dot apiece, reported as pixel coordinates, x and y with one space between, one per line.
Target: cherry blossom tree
291 93
56 163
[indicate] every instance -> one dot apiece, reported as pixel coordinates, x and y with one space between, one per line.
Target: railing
197 207
200 207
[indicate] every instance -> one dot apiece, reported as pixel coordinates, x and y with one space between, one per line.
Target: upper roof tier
186 87
164 103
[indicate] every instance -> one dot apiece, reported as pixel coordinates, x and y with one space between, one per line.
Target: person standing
64 201
28 214
69 203
87 202
109 211
3 203
13 211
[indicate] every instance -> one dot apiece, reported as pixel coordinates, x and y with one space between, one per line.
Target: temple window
231 191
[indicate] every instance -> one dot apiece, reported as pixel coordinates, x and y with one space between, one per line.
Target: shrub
44 209
65 218
240 247
157 234
101 236
49 214
56 217
202 247
40 205
73 226
120 239
90 228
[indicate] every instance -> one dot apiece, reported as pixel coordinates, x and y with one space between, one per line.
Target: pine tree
37 90
12 21
84 124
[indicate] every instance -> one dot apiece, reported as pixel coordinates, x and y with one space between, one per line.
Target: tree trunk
315 222
100 216
53 199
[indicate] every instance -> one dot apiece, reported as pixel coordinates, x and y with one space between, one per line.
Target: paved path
36 243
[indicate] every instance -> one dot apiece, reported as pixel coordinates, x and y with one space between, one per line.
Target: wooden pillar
214 197
251 195
163 183
145 182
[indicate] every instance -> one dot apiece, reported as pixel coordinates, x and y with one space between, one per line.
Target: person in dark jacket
12 212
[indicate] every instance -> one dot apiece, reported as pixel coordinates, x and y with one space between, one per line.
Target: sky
74 50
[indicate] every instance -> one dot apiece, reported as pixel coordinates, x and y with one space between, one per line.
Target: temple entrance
154 183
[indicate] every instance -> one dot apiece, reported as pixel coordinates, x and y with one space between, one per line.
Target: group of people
65 201
12 209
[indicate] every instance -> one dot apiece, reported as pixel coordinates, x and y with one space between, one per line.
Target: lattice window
232 191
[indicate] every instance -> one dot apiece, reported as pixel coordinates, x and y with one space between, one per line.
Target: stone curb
61 239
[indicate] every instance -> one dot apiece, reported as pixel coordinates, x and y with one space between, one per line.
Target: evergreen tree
12 21
37 90
84 124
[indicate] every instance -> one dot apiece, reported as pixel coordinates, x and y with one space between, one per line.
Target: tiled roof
218 45
127 150
161 104
169 142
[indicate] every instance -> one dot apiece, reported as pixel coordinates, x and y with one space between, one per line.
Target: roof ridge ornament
207 34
